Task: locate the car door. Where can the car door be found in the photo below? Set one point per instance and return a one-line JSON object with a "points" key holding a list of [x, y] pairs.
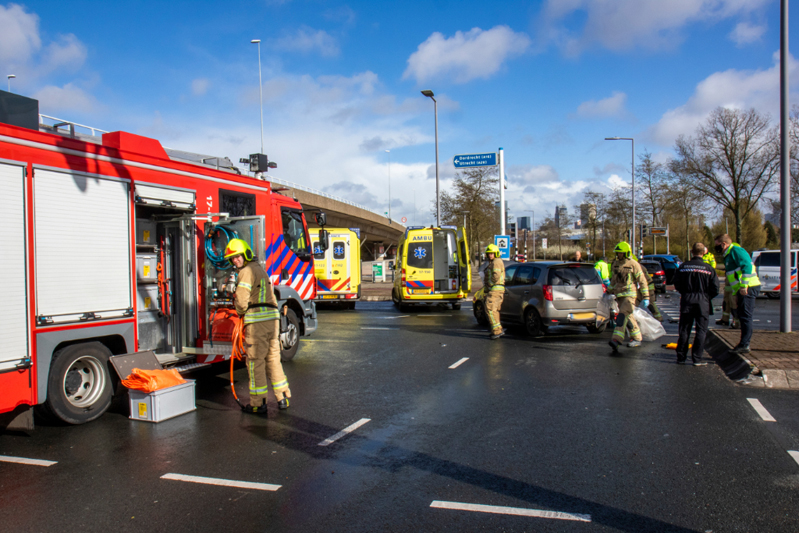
{"points": [[518, 294], [507, 308]]}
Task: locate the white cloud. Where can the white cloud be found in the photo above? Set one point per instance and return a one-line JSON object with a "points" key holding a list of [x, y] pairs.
{"points": [[307, 40], [465, 56], [66, 54], [735, 89], [577, 25], [19, 40], [56, 100], [745, 33], [616, 182], [612, 106], [200, 86]]}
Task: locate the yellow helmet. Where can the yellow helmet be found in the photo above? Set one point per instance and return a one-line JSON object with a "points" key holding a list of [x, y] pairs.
{"points": [[492, 249], [623, 248], [238, 247]]}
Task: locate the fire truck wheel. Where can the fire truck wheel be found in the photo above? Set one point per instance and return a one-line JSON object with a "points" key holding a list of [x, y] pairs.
{"points": [[79, 388], [290, 339]]}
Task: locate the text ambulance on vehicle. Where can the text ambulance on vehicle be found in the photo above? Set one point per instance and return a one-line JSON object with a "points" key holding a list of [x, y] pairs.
{"points": [[432, 267], [338, 269], [114, 245]]}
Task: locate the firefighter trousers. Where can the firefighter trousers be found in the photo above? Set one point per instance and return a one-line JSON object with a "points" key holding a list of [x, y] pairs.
{"points": [[262, 346], [493, 304], [625, 314]]}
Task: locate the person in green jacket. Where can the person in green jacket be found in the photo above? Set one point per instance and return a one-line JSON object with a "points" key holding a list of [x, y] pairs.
{"points": [[744, 284], [603, 269], [709, 258]]}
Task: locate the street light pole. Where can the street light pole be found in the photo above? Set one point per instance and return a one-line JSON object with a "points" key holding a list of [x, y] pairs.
{"points": [[428, 93], [632, 169], [389, 184], [260, 90], [9, 81]]}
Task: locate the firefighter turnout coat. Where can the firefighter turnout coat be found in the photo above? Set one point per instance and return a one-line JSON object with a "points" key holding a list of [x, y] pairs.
{"points": [[495, 292]]}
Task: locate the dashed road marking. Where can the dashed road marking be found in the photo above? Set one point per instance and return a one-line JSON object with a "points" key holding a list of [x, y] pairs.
{"points": [[764, 414], [366, 327], [459, 363], [344, 432], [26, 461], [221, 482], [517, 511], [795, 455]]}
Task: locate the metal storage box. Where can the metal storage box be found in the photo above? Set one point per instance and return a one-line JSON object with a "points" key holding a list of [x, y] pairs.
{"points": [[145, 231], [146, 268], [147, 298], [162, 404]]}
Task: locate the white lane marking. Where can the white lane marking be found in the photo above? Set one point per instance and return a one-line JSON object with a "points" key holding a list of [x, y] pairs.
{"points": [[26, 461], [517, 511], [364, 327], [344, 432], [756, 320], [764, 414], [795, 455], [392, 317], [459, 363], [221, 482]]}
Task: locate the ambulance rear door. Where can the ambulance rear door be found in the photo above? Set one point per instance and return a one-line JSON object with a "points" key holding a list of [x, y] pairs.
{"points": [[340, 263], [419, 278], [322, 266], [463, 262]]}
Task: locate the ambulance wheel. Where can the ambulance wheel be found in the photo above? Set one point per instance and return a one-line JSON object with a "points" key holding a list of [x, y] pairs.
{"points": [[79, 388], [395, 298], [456, 307], [350, 305], [532, 323], [480, 312], [290, 339]]}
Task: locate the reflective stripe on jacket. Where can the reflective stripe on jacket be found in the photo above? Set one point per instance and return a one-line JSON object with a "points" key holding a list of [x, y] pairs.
{"points": [[255, 299], [710, 259], [627, 279], [739, 268]]}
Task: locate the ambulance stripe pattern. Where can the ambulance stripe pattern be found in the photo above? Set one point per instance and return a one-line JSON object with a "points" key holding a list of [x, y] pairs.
{"points": [[419, 284], [300, 273], [326, 285]]}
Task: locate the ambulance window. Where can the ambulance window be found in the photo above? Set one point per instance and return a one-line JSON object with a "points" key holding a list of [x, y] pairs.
{"points": [[338, 250], [237, 204], [318, 253], [420, 255], [294, 232]]}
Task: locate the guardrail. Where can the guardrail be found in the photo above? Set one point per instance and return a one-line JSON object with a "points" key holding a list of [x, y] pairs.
{"points": [[60, 123]]}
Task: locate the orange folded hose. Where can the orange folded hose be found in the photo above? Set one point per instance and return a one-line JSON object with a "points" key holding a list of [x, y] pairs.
{"points": [[152, 380], [238, 352]]}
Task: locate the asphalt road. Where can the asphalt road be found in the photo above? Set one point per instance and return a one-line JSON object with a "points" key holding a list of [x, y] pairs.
{"points": [[546, 434]]}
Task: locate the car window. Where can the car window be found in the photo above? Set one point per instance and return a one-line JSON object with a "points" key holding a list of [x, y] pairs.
{"points": [[769, 259], [525, 275], [509, 272], [420, 255], [571, 275]]}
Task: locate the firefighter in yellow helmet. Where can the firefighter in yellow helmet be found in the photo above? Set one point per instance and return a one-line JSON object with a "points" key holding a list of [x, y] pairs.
{"points": [[256, 304], [626, 280], [494, 289]]}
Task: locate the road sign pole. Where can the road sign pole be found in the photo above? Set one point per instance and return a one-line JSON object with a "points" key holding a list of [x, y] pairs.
{"points": [[501, 191]]}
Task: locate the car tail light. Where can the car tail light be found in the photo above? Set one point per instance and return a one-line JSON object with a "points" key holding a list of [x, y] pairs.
{"points": [[548, 293], [660, 273], [604, 289]]}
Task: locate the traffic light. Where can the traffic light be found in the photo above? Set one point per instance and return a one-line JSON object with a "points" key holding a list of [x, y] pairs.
{"points": [[643, 231]]}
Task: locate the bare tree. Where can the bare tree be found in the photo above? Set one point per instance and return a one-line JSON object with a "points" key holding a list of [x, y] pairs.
{"points": [[652, 185], [732, 160], [687, 202], [619, 214], [596, 216], [476, 191]]}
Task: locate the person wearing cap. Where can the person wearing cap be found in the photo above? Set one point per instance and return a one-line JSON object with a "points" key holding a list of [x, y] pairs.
{"points": [[495, 289], [257, 306]]}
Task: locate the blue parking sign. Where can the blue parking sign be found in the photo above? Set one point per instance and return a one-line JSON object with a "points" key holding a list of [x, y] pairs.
{"points": [[503, 243]]}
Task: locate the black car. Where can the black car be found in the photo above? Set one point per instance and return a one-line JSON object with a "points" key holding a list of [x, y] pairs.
{"points": [[655, 269], [669, 266]]}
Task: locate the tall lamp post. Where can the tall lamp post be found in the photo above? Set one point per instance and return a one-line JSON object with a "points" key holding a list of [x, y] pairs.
{"points": [[9, 81], [532, 228], [632, 169], [429, 94], [389, 184], [260, 90]]}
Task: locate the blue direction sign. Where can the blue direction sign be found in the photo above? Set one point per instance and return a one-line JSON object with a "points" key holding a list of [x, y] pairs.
{"points": [[475, 160], [503, 243]]}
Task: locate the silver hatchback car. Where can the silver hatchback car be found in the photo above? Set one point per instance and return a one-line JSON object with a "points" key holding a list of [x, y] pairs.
{"points": [[548, 293]]}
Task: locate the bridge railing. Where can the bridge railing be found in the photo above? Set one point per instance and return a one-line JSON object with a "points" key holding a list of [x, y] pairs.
{"points": [[321, 193]]}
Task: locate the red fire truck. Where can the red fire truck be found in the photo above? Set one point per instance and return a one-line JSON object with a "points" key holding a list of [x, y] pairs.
{"points": [[114, 245]]}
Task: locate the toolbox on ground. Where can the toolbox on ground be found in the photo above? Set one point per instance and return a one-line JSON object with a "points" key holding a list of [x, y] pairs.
{"points": [[162, 404]]}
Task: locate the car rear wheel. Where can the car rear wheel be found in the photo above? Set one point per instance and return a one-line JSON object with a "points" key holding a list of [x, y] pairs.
{"points": [[532, 322], [598, 329], [773, 295]]}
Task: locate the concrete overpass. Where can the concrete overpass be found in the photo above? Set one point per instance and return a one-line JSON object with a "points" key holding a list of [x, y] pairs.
{"points": [[376, 230]]}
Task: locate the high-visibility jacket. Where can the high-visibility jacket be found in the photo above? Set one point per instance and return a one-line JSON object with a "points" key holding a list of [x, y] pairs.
{"points": [[255, 299], [495, 275], [627, 279], [710, 259], [603, 269], [739, 268]]}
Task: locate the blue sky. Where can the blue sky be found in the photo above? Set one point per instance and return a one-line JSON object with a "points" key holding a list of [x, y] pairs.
{"points": [[547, 81]]}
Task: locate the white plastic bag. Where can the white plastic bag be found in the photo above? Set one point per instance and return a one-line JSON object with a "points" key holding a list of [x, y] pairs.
{"points": [[650, 328], [604, 306]]}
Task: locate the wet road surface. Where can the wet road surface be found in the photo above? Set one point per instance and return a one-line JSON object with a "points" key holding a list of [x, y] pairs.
{"points": [[426, 425]]}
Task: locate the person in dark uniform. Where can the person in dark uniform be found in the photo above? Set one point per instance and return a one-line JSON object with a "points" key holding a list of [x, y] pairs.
{"points": [[697, 284]]}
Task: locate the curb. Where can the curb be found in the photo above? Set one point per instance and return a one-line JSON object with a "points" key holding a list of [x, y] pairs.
{"points": [[739, 369]]}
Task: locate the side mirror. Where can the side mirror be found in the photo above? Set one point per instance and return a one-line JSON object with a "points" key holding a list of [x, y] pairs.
{"points": [[323, 238], [321, 219]]}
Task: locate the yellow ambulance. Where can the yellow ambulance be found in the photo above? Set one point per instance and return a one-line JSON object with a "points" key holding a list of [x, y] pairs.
{"points": [[337, 269], [432, 267]]}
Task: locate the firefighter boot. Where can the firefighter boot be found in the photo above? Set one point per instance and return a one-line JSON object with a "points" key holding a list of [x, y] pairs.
{"points": [[614, 344], [255, 410], [633, 344]]}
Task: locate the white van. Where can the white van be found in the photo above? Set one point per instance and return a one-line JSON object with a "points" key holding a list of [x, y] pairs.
{"points": [[767, 263]]}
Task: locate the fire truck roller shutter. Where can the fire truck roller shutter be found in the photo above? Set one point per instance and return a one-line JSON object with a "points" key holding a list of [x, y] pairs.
{"points": [[82, 245], [13, 312]]}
